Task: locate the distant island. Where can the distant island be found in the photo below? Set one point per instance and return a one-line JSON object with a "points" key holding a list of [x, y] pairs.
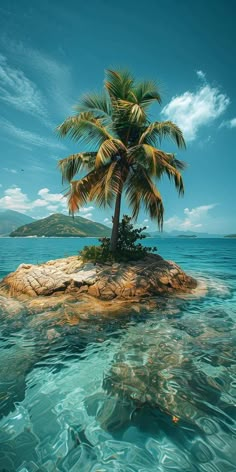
{"points": [[16, 224], [184, 234], [59, 225], [187, 236]]}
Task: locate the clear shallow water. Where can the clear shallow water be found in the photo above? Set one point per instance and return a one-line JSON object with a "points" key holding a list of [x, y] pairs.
{"points": [[103, 395]]}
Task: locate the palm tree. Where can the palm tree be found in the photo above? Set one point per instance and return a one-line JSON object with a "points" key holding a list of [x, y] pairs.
{"points": [[123, 154]]}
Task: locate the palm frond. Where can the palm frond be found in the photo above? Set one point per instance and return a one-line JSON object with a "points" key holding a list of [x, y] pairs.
{"points": [[104, 192], [146, 92], [71, 122], [119, 84], [155, 132], [145, 155], [100, 185], [176, 163], [79, 193], [109, 149], [86, 189], [157, 163], [74, 163], [130, 112], [85, 128], [98, 104], [141, 190]]}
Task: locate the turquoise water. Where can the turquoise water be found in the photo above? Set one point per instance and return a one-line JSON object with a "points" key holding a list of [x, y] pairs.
{"points": [[152, 390]]}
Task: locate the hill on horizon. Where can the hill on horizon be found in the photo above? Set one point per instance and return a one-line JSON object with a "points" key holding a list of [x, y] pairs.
{"points": [[181, 234], [10, 220], [59, 225]]}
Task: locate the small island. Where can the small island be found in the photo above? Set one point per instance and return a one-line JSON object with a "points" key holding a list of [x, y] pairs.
{"points": [[124, 160], [187, 236], [232, 236], [59, 225], [134, 272]]}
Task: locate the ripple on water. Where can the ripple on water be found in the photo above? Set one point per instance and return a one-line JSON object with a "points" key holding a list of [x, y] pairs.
{"points": [[156, 391]]}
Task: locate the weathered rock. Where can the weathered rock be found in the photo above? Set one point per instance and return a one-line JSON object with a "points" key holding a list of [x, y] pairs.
{"points": [[148, 277]]}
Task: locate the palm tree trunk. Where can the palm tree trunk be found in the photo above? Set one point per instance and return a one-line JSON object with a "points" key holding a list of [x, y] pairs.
{"points": [[116, 220]]}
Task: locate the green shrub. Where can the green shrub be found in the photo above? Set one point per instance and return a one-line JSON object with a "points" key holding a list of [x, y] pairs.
{"points": [[127, 249]]}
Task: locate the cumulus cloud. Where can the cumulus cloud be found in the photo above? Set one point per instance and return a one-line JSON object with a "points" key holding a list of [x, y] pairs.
{"points": [[193, 110], [88, 216], [107, 221], [15, 199], [192, 220], [19, 91], [229, 123], [86, 209], [49, 197]]}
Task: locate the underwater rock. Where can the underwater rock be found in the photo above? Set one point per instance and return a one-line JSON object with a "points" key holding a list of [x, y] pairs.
{"points": [[148, 372], [10, 307], [15, 362], [148, 277]]}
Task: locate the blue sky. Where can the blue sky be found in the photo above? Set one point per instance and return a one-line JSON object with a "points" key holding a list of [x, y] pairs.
{"points": [[52, 52]]}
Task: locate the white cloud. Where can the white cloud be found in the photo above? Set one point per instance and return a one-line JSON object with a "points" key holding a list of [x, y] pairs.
{"points": [[49, 197], [107, 221], [201, 74], [232, 123], [29, 137], [193, 110], [52, 208], [86, 209], [15, 199], [229, 124], [12, 171], [192, 220], [19, 91], [55, 75]]}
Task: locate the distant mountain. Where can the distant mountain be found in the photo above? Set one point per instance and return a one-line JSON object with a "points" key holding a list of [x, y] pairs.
{"points": [[230, 236], [182, 234], [11, 220], [187, 236], [59, 225]]}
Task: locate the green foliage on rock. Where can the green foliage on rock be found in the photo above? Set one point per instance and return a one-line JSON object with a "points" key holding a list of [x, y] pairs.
{"points": [[128, 249]]}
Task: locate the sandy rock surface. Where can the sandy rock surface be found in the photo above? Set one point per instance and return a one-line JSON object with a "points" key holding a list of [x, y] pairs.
{"points": [[148, 277]]}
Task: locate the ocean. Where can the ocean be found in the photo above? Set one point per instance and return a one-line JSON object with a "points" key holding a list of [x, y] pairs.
{"points": [[153, 389]]}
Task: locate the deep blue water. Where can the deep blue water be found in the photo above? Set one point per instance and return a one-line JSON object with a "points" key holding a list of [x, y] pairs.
{"points": [[148, 391]]}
